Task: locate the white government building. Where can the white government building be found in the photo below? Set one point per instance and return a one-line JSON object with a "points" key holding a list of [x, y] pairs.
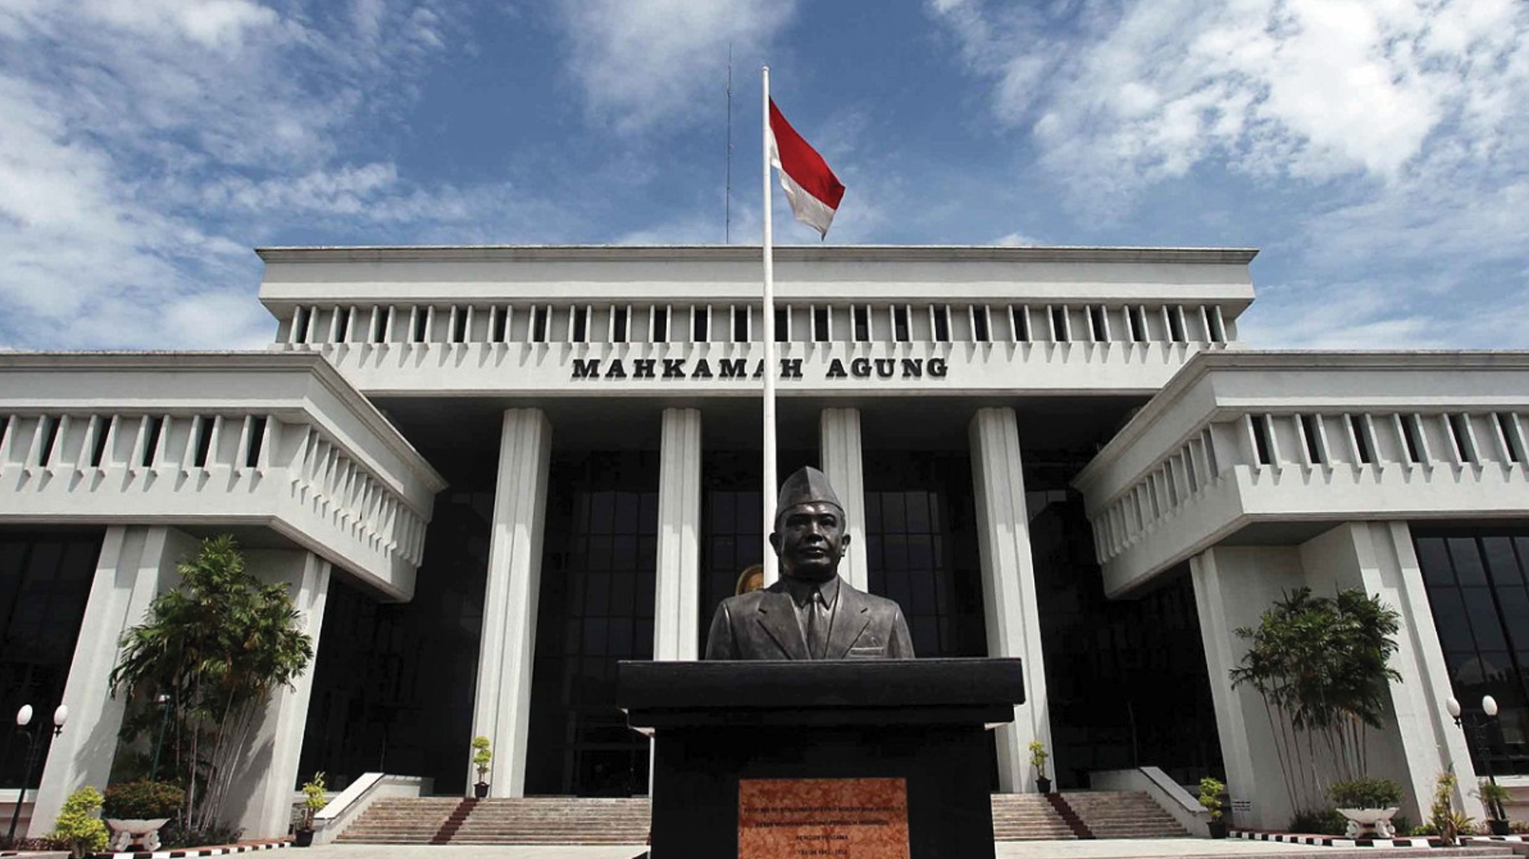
{"points": [[489, 473]]}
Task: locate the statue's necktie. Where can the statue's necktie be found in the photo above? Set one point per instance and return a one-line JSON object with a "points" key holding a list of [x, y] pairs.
{"points": [[817, 626]]}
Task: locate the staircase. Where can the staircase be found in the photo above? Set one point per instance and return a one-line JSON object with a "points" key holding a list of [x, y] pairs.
{"points": [[569, 820], [1123, 814], [400, 820], [555, 820], [1027, 817], [529, 821]]}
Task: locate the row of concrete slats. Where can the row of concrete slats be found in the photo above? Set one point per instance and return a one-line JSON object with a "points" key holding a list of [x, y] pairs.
{"points": [[1027, 817], [555, 820], [400, 820]]}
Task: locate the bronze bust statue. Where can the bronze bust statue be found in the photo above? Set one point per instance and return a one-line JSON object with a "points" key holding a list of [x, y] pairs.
{"points": [[810, 613]]}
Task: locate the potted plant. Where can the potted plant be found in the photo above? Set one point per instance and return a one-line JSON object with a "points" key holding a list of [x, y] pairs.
{"points": [[1211, 792], [1368, 804], [1494, 796], [314, 801], [481, 756], [137, 810], [1038, 756]]}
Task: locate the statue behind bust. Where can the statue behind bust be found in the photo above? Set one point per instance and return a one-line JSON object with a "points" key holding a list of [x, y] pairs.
{"points": [[810, 613]]}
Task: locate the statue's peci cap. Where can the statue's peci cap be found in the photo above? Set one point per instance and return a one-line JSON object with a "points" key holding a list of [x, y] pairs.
{"points": [[806, 486]]}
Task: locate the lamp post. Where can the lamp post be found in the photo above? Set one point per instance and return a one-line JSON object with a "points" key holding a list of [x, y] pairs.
{"points": [[164, 720], [1475, 725], [25, 728]]}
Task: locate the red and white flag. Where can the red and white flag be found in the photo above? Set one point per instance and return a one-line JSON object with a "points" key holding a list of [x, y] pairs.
{"points": [[811, 187]]}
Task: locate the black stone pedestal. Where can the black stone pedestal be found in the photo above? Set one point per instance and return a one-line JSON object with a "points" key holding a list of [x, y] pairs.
{"points": [[923, 721]]}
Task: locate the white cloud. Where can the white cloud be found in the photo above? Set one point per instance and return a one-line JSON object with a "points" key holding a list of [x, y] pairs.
{"points": [[147, 144], [642, 64], [1307, 88], [1388, 137]]}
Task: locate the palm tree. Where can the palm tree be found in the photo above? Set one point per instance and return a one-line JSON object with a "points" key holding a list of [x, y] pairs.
{"points": [[1322, 663], [218, 645]]}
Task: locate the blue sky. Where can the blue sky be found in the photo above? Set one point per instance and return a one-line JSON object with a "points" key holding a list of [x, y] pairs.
{"points": [[1377, 151]]}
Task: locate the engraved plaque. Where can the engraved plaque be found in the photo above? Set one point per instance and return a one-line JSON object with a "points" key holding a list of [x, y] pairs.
{"points": [[837, 818]]}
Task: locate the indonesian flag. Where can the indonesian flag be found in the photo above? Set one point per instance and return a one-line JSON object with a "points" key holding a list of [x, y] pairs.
{"points": [[811, 187]]}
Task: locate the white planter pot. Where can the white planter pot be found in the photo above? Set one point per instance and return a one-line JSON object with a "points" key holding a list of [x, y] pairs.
{"points": [[145, 832], [1370, 822]]}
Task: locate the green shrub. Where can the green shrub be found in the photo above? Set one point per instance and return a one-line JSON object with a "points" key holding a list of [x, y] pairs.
{"points": [[175, 835], [1326, 821], [1447, 823], [77, 829], [1365, 793], [142, 800], [1211, 791]]}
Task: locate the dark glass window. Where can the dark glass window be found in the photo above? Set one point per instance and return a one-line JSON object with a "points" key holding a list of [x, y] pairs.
{"points": [[740, 325], [660, 324], [1261, 433], [1138, 317], [45, 578], [1308, 425], [1176, 324], [941, 324], [1478, 588], [341, 323], [732, 527], [459, 325], [700, 324], [1412, 436], [1021, 321], [782, 324], [1109, 660], [596, 608], [393, 683], [862, 316], [820, 324], [539, 324], [300, 325], [1096, 322], [979, 325], [921, 547], [900, 324], [421, 325], [580, 324], [618, 324], [1357, 428], [1059, 324]]}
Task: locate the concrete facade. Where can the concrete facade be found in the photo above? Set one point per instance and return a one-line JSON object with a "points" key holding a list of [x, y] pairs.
{"points": [[1259, 471]]}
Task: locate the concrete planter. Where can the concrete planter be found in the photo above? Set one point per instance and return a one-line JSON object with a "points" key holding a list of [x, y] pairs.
{"points": [[1370, 822], [124, 833]]}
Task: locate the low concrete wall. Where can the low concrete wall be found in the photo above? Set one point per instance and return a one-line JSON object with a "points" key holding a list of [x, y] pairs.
{"points": [[353, 801]]}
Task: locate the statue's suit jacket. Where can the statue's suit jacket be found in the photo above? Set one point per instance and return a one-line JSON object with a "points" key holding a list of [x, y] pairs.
{"points": [[762, 625]]}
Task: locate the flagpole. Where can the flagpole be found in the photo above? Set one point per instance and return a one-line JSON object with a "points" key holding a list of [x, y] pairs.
{"points": [[767, 484]]}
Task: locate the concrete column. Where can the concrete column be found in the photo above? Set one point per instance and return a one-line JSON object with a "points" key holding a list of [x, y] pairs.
{"points": [[1233, 587], [1379, 558], [502, 706], [136, 563], [677, 608], [268, 777], [839, 448], [1008, 585]]}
